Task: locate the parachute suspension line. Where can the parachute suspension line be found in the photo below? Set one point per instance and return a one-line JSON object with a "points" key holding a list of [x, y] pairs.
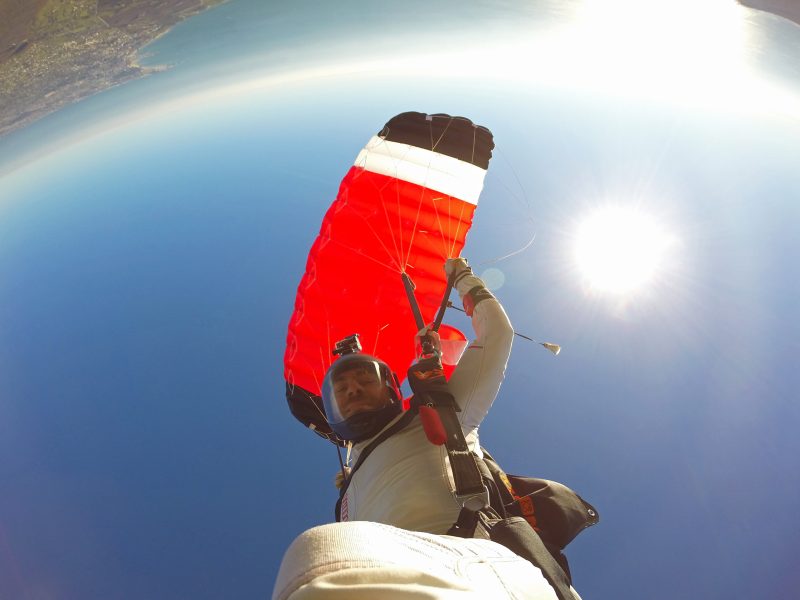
{"points": [[525, 198], [377, 337], [319, 410], [492, 261], [314, 404], [449, 252], [380, 240], [449, 226], [391, 267], [325, 366], [430, 128], [445, 250], [458, 228], [397, 258], [403, 261], [527, 203], [422, 191], [414, 229], [398, 250], [341, 462], [325, 362], [433, 202], [424, 187]]}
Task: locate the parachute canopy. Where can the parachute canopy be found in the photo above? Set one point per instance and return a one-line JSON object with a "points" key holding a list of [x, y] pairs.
{"points": [[405, 206]]}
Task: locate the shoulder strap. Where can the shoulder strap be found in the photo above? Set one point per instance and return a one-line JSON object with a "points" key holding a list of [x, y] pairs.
{"points": [[430, 387], [398, 425]]}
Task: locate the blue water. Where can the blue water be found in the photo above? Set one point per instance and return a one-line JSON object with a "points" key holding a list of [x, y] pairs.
{"points": [[250, 33]]}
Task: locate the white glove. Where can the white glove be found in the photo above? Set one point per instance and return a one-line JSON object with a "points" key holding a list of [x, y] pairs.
{"points": [[464, 279], [455, 265]]}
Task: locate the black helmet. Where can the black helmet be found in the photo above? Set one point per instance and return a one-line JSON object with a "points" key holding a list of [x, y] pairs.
{"points": [[360, 395]]}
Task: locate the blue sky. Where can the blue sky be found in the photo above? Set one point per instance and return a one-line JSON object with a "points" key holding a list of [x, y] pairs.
{"points": [[152, 238]]}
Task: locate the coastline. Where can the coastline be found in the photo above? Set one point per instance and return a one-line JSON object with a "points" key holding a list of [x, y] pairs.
{"points": [[63, 56]]}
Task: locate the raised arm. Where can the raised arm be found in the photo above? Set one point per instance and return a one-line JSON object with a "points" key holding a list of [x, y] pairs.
{"points": [[477, 378]]}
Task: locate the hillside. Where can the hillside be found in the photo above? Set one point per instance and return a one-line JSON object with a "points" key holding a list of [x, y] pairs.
{"points": [[56, 52]]}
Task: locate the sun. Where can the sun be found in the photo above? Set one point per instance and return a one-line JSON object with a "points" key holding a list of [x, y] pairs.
{"points": [[619, 250]]}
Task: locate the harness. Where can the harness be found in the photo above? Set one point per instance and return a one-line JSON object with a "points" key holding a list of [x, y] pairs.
{"points": [[534, 518]]}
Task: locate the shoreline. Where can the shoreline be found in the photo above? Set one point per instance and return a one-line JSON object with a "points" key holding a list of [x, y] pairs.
{"points": [[61, 60]]}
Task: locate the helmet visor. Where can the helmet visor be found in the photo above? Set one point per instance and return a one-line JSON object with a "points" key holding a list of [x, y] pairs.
{"points": [[355, 386]]}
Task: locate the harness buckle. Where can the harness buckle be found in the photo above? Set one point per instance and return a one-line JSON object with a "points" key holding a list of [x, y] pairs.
{"points": [[474, 502]]}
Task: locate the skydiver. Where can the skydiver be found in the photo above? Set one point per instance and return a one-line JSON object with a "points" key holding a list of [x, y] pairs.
{"points": [[400, 504]]}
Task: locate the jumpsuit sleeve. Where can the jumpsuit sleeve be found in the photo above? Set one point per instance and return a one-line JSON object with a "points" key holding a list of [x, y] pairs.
{"points": [[478, 375]]}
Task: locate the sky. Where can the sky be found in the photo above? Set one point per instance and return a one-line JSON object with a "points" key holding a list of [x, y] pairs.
{"points": [[152, 239]]}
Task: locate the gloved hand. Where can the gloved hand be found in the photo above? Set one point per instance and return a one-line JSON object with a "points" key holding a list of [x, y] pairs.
{"points": [[464, 279], [430, 334], [456, 265]]}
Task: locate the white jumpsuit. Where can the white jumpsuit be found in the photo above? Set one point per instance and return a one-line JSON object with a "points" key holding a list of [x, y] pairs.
{"points": [[399, 503]]}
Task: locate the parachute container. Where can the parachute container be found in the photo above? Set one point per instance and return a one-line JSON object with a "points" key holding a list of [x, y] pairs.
{"points": [[405, 206]]}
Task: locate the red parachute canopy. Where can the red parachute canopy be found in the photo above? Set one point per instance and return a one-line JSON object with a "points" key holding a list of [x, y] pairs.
{"points": [[405, 206]]}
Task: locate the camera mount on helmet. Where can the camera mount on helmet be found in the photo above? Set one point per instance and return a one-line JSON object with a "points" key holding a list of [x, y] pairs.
{"points": [[348, 345]]}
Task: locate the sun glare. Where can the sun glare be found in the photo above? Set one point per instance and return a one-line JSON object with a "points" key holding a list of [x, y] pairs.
{"points": [[683, 52], [619, 250], [686, 41]]}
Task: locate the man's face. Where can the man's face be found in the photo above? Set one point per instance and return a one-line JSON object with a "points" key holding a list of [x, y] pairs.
{"points": [[360, 389]]}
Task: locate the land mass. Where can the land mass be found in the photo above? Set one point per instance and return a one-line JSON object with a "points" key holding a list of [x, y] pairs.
{"points": [[56, 52]]}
